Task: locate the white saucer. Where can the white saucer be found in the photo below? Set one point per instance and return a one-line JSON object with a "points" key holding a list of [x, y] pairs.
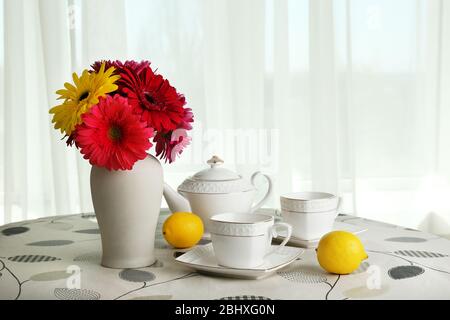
{"points": [[202, 259], [313, 243]]}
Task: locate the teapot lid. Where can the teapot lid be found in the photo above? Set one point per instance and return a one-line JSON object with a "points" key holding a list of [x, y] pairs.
{"points": [[215, 180], [215, 172]]}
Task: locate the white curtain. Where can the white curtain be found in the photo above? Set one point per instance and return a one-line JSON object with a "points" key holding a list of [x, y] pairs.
{"points": [[345, 96]]}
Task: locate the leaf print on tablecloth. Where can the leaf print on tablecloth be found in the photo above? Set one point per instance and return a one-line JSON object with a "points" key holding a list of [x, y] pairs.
{"points": [[76, 294], [50, 276], [419, 254], [404, 272], [50, 243], [14, 230], [31, 258], [244, 297], [303, 275], [88, 231], [406, 239], [134, 275]]}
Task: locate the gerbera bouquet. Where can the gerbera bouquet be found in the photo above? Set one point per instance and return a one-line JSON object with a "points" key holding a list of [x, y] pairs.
{"points": [[114, 112]]}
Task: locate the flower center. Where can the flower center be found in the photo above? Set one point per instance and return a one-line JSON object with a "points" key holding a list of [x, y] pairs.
{"points": [[114, 133], [84, 95], [149, 97]]}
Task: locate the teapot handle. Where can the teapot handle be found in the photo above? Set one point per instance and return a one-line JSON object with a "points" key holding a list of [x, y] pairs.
{"points": [[268, 193]]}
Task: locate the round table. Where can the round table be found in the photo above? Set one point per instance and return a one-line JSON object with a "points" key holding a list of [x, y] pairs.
{"points": [[59, 258]]}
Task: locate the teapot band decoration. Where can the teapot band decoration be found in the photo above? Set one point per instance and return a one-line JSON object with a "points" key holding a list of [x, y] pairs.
{"points": [[192, 186]]}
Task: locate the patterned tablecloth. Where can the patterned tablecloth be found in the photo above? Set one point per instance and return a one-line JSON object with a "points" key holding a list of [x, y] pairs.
{"points": [[59, 258]]}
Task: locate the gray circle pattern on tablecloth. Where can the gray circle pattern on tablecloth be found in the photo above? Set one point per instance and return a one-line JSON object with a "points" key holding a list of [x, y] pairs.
{"points": [[76, 294], [303, 276], [14, 230], [32, 258], [50, 276], [50, 243], [134, 275], [420, 254], [404, 272]]}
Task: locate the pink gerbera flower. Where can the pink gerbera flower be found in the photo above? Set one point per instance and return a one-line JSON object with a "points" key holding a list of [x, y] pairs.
{"points": [[112, 136], [170, 145]]}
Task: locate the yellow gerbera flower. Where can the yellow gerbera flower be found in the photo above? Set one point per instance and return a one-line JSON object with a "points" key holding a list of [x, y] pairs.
{"points": [[81, 96]]}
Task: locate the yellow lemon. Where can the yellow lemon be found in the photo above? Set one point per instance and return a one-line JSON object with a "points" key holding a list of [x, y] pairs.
{"points": [[340, 252], [183, 229]]}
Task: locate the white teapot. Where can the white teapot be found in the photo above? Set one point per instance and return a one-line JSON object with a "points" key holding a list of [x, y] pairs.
{"points": [[215, 190]]}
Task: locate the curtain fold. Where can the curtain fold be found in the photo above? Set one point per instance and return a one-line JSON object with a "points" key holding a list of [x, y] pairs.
{"points": [[57, 64], [334, 95]]}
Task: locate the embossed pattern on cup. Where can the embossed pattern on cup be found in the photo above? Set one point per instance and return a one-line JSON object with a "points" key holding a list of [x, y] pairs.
{"points": [[309, 202]]}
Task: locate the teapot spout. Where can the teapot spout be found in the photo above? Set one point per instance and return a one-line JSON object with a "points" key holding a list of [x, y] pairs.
{"points": [[175, 201]]}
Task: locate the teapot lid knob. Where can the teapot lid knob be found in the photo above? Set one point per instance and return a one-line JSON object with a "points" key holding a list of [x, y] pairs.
{"points": [[214, 161]]}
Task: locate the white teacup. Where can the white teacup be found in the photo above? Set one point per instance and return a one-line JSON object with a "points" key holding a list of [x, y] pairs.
{"points": [[311, 214], [309, 201], [243, 240]]}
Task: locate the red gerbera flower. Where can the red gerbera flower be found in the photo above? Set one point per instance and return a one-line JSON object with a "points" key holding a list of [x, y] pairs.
{"points": [[155, 100], [170, 145], [112, 136]]}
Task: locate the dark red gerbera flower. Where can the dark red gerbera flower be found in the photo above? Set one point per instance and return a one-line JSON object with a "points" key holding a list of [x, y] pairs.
{"points": [[119, 65], [71, 139], [155, 100]]}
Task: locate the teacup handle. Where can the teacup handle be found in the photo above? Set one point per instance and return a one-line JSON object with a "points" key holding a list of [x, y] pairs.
{"points": [[268, 193], [274, 234]]}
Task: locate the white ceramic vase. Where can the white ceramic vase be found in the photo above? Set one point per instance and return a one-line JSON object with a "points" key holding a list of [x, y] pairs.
{"points": [[127, 205]]}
